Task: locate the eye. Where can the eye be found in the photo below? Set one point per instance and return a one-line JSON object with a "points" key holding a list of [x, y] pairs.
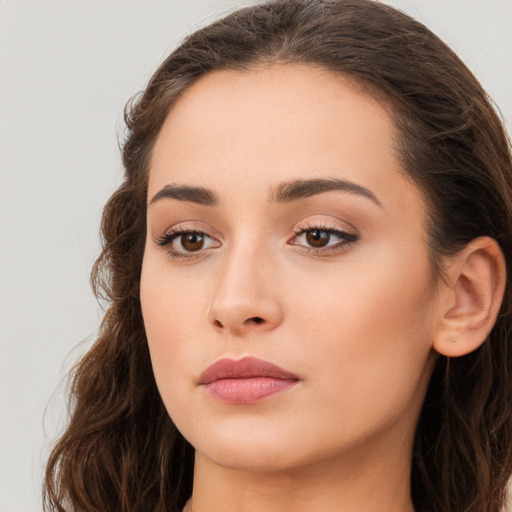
{"points": [[322, 239], [318, 237], [182, 243]]}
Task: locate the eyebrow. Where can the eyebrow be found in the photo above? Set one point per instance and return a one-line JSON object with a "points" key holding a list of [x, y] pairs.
{"points": [[298, 189], [198, 195], [283, 193]]}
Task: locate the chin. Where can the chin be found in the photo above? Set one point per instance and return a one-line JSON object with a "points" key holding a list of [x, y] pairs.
{"points": [[254, 450], [250, 457]]}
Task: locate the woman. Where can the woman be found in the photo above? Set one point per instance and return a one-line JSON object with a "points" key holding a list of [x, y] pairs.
{"points": [[306, 269]]}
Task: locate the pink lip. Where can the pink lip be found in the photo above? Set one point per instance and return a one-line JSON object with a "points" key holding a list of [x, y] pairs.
{"points": [[245, 381]]}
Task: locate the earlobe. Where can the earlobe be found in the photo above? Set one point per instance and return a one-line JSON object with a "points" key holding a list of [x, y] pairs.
{"points": [[470, 300]]}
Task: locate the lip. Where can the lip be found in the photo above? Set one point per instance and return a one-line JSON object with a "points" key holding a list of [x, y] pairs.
{"points": [[245, 381]]}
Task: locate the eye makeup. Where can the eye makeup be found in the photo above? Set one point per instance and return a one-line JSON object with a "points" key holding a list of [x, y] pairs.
{"points": [[314, 237], [193, 242], [321, 238]]}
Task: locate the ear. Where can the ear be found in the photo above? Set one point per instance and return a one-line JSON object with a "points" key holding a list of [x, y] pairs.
{"points": [[470, 299]]}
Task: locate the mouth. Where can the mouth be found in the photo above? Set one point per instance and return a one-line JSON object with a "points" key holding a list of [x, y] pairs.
{"points": [[245, 381]]}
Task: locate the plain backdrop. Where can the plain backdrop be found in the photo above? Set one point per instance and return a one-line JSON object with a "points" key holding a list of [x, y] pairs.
{"points": [[66, 70]]}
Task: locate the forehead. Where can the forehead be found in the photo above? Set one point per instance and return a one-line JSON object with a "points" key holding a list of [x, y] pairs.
{"points": [[235, 130]]}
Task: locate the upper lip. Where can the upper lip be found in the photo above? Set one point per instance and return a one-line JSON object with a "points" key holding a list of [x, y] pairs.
{"points": [[245, 368]]}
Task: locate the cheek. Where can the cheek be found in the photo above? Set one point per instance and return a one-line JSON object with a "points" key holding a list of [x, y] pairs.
{"points": [[363, 301], [369, 329], [170, 311]]}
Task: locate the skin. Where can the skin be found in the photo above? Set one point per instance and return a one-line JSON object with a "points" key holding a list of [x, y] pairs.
{"points": [[356, 324]]}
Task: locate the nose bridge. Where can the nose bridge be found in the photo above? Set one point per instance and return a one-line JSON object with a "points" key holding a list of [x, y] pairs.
{"points": [[245, 296]]}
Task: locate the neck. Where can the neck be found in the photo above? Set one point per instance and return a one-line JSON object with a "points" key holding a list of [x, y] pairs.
{"points": [[372, 481]]}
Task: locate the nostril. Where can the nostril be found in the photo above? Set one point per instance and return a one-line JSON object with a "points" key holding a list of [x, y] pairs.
{"points": [[255, 320]]}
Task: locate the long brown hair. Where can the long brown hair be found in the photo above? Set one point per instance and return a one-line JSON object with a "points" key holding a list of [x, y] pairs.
{"points": [[120, 450]]}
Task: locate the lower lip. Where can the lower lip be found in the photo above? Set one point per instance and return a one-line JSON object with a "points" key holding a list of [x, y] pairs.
{"points": [[247, 391]]}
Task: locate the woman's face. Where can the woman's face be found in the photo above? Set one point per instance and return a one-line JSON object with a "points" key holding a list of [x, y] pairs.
{"points": [[282, 228]]}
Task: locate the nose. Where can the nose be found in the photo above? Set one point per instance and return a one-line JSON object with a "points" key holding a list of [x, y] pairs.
{"points": [[245, 298]]}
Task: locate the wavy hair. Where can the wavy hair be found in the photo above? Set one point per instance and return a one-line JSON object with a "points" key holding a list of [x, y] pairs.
{"points": [[120, 450]]}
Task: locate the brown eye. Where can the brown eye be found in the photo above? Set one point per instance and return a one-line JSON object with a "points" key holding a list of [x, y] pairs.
{"points": [[323, 241], [318, 237], [192, 241], [182, 243]]}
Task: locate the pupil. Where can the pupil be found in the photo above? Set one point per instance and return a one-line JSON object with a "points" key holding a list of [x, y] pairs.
{"points": [[192, 241], [318, 237]]}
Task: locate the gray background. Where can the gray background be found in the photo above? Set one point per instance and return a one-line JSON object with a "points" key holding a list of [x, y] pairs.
{"points": [[66, 70]]}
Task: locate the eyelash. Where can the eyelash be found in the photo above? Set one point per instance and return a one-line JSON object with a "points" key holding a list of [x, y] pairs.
{"points": [[165, 240], [348, 239]]}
